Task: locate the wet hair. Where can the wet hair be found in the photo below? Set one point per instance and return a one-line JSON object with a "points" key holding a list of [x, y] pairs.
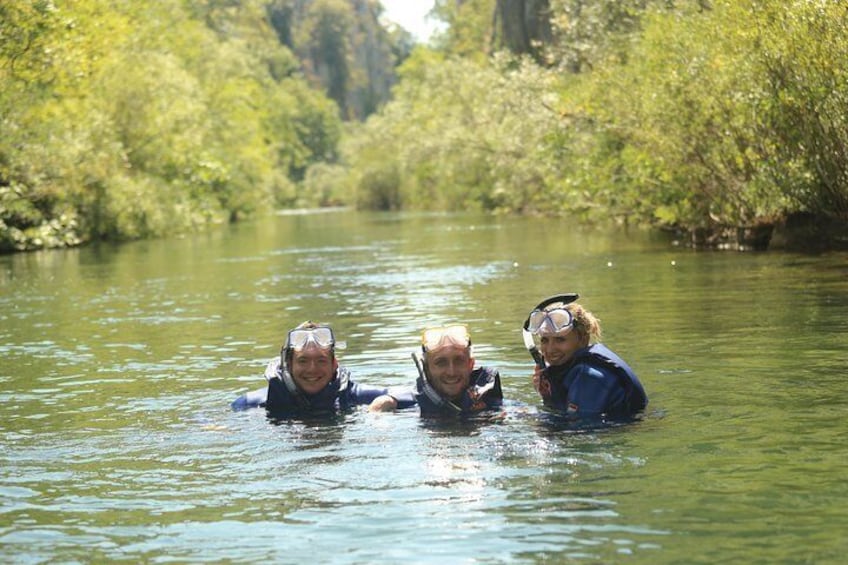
{"points": [[587, 326]]}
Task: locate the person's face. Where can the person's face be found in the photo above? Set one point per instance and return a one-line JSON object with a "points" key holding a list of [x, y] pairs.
{"points": [[558, 349], [312, 368], [449, 368]]}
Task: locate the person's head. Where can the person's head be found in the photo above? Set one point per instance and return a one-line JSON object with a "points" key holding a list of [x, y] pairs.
{"points": [[562, 329], [448, 359], [309, 354]]}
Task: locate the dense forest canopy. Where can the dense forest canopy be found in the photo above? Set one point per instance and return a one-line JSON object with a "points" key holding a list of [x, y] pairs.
{"points": [[133, 119], [718, 118]]}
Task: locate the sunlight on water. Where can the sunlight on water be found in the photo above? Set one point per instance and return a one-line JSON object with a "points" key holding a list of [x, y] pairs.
{"points": [[119, 364]]}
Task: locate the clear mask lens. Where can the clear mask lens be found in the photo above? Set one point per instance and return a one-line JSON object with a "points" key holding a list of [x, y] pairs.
{"points": [[321, 336], [550, 322], [439, 337]]}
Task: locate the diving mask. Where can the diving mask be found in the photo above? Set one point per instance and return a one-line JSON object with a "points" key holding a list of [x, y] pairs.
{"points": [[299, 338], [554, 321], [435, 338]]}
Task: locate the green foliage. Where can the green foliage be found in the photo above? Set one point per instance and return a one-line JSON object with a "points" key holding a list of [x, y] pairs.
{"points": [[342, 49], [714, 126], [702, 115], [24, 29], [459, 135], [587, 33], [469, 27], [803, 57], [125, 120], [325, 31]]}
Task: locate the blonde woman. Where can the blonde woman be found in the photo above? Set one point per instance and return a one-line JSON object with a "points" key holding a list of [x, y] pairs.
{"points": [[581, 377]]}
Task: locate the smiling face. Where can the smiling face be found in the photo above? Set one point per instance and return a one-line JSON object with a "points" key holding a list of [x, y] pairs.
{"points": [[558, 349], [312, 368], [449, 368]]}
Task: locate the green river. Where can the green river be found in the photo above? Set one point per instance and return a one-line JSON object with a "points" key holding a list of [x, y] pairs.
{"points": [[118, 365]]}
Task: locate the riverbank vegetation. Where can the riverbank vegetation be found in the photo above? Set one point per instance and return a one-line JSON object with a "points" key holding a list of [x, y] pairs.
{"points": [[723, 120], [127, 120]]}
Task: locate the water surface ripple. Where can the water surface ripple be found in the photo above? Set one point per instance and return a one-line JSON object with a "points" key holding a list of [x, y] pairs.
{"points": [[119, 363]]}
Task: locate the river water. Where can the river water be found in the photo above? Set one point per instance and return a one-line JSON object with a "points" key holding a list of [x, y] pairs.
{"points": [[118, 364]]}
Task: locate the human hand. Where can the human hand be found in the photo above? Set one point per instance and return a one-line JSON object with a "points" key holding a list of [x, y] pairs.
{"points": [[537, 376], [383, 403]]}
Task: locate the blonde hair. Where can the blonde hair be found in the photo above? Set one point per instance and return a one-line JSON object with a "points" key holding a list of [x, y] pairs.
{"points": [[587, 326]]}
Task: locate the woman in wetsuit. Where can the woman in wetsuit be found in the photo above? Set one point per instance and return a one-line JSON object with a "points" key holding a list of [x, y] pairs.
{"points": [[582, 378]]}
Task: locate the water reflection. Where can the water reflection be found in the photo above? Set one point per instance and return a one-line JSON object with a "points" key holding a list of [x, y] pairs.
{"points": [[119, 364]]}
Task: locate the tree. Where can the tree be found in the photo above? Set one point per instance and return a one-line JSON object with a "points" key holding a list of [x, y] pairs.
{"points": [[124, 120], [523, 27]]}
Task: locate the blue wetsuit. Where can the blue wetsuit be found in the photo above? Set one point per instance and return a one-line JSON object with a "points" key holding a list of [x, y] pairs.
{"points": [[282, 398], [484, 393], [593, 383]]}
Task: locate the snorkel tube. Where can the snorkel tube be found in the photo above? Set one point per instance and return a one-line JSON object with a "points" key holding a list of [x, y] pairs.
{"points": [[432, 394], [525, 331]]}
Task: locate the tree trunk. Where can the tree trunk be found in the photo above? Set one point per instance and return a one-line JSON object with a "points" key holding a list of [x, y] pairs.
{"points": [[523, 26]]}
